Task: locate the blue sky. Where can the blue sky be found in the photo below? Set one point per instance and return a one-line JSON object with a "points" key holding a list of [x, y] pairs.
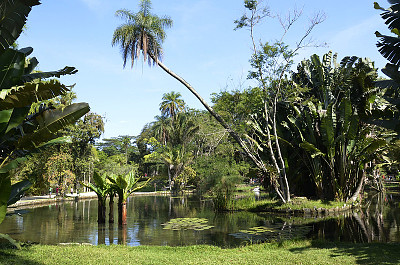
{"points": [[202, 47]]}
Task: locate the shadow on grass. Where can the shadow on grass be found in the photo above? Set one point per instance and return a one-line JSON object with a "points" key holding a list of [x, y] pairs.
{"points": [[367, 253], [10, 256]]}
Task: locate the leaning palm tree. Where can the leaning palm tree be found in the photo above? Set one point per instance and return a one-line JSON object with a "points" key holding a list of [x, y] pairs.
{"points": [[143, 33], [172, 104]]}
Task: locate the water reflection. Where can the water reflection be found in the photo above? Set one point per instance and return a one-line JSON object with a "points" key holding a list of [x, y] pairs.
{"points": [[378, 221], [77, 222]]}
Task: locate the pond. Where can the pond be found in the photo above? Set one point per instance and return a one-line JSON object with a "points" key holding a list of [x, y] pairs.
{"points": [[178, 221]]}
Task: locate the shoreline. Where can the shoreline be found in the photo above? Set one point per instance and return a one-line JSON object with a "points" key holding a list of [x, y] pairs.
{"points": [[38, 201]]}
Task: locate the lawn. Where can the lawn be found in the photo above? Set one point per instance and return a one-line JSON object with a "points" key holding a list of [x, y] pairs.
{"points": [[291, 252]]}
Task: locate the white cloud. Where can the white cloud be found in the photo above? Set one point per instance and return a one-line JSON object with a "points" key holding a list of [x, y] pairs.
{"points": [[98, 6], [353, 35], [93, 4]]}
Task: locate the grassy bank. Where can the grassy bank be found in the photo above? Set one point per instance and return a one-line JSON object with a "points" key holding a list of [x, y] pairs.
{"points": [[300, 252], [250, 204]]}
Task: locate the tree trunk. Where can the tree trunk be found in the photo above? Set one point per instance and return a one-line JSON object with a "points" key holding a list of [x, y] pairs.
{"points": [[119, 210], [111, 209], [123, 212], [169, 178], [101, 211], [234, 135], [360, 186]]}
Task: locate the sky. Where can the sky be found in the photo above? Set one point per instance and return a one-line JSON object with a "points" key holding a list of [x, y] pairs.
{"points": [[202, 47]]}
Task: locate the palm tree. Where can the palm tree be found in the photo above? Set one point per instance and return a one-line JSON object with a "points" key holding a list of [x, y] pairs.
{"points": [[172, 104], [143, 33], [160, 128]]}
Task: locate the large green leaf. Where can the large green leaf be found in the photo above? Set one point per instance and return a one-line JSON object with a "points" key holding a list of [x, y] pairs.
{"points": [[328, 128], [11, 240], [389, 47], [25, 95], [5, 117], [99, 180], [13, 15], [12, 65], [10, 166], [345, 113], [68, 70], [5, 189], [50, 122], [314, 152], [353, 128], [100, 186], [17, 191], [17, 117]]}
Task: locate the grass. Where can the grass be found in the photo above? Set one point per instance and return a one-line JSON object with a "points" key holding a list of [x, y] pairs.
{"points": [[289, 252], [250, 204], [245, 200]]}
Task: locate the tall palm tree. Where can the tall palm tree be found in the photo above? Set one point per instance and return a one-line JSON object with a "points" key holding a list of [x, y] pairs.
{"points": [[160, 127], [172, 104], [143, 32]]}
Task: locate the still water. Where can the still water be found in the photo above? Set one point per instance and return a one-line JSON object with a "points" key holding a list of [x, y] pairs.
{"points": [[76, 222]]}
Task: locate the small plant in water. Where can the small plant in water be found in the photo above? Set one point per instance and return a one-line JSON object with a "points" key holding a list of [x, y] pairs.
{"points": [[197, 224], [272, 233]]}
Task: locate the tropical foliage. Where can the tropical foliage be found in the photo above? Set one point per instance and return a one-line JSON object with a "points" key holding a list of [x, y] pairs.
{"points": [[102, 188], [143, 33], [332, 123], [20, 87], [125, 185]]}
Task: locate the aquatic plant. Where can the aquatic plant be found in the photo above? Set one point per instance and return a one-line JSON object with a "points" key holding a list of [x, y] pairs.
{"points": [[197, 224], [276, 232]]}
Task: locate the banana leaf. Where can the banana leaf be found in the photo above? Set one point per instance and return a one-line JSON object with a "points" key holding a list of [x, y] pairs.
{"points": [[314, 152], [12, 118], [5, 189], [18, 190], [25, 95], [13, 15], [50, 122], [11, 240], [68, 70]]}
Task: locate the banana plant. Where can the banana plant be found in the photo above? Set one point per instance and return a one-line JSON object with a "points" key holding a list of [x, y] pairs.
{"points": [[124, 185], [101, 187], [388, 46], [20, 87], [332, 126]]}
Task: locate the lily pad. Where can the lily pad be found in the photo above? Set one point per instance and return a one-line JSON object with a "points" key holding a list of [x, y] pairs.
{"points": [[275, 232], [197, 224]]}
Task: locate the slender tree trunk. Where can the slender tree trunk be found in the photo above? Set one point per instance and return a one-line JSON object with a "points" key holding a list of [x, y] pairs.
{"points": [[119, 210], [124, 219], [111, 209], [359, 188], [169, 178], [234, 135], [101, 211]]}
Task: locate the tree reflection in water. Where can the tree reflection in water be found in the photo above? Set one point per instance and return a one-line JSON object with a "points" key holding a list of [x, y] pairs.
{"points": [[377, 221], [77, 222]]}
